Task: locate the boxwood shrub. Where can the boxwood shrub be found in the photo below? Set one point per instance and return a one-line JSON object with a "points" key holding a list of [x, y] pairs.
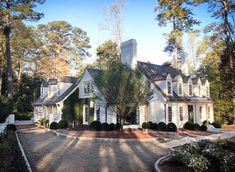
{"points": [[196, 127], [11, 127], [112, 126], [171, 127], [203, 127], [118, 126], [149, 125], [154, 126], [63, 123], [105, 126], [161, 126], [216, 124], [188, 126], [144, 125], [54, 126], [95, 125]]}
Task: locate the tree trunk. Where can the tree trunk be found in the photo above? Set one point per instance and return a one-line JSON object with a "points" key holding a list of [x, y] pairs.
{"points": [[234, 110], [20, 70], [0, 83]]}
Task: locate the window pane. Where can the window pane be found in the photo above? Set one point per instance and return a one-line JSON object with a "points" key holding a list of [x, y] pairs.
{"points": [[169, 87], [169, 114], [181, 114]]}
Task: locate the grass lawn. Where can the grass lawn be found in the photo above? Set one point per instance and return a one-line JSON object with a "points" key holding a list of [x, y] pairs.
{"points": [[11, 159]]}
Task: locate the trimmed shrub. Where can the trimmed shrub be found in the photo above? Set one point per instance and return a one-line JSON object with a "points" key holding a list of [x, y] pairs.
{"points": [[118, 126], [171, 127], [188, 126], [144, 125], [154, 126], [216, 124], [63, 123], [161, 126], [112, 126], [54, 126], [105, 126], [203, 127], [206, 122], [196, 127], [149, 125], [11, 127], [3, 117], [95, 125], [23, 116]]}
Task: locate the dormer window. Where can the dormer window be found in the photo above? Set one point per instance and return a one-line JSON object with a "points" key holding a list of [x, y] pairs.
{"points": [[180, 88], [190, 89], [169, 87], [87, 88]]}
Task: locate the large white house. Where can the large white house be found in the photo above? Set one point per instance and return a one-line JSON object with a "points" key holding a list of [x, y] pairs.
{"points": [[176, 97]]}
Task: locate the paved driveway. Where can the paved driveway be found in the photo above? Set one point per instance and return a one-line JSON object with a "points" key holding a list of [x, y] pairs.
{"points": [[47, 152]]}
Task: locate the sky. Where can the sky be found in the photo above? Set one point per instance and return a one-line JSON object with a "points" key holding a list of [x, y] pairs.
{"points": [[139, 23]]}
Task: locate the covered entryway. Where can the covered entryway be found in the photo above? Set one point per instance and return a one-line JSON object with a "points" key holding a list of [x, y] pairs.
{"points": [[190, 113]]}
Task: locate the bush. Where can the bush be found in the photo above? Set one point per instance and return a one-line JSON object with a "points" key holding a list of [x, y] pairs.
{"points": [[188, 126], [95, 125], [118, 126], [216, 124], [203, 127], [171, 127], [154, 126], [105, 126], [63, 123], [149, 125], [144, 125], [196, 127], [112, 126], [41, 121], [206, 122], [3, 117], [23, 116], [11, 127], [54, 125], [161, 126]]}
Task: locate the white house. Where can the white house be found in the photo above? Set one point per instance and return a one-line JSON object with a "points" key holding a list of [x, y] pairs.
{"points": [[176, 97]]}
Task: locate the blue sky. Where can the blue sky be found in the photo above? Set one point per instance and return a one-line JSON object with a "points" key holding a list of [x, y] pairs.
{"points": [[139, 23]]}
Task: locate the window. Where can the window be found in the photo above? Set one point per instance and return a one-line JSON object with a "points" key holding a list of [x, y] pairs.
{"points": [[200, 112], [98, 114], [169, 114], [207, 91], [180, 88], [87, 87], [209, 111], [137, 115], [190, 89], [181, 114], [86, 113], [168, 87]]}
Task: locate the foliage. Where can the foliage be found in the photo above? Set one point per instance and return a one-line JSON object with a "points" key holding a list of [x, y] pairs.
{"points": [[11, 158], [149, 125], [171, 127], [205, 122], [188, 125], [112, 126], [105, 126], [63, 123], [119, 87], [216, 124], [154, 126], [11, 127], [144, 125], [118, 126], [26, 116], [107, 53], [95, 125], [196, 127], [203, 127], [54, 125], [162, 126]]}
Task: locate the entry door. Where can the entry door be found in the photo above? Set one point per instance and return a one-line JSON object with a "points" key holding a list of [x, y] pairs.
{"points": [[190, 113]]}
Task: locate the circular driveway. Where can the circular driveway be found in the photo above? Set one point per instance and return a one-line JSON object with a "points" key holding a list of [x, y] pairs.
{"points": [[47, 152]]}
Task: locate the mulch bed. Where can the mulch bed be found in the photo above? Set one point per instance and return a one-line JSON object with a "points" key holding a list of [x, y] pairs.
{"points": [[228, 127], [126, 134]]}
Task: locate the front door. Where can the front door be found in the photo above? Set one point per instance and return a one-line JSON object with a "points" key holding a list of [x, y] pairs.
{"points": [[190, 113]]}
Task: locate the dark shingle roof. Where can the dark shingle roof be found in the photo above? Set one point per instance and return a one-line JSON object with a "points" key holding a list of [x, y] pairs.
{"points": [[94, 72], [160, 72], [55, 98]]}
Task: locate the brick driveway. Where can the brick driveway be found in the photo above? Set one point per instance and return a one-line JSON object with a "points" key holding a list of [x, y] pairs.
{"points": [[47, 152]]}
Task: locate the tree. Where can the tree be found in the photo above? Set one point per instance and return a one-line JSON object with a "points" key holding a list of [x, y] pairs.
{"points": [[107, 53], [114, 20], [2, 61], [62, 42], [177, 13], [121, 89], [10, 12]]}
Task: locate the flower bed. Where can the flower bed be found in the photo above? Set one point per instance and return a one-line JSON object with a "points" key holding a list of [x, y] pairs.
{"points": [[11, 158], [202, 156]]}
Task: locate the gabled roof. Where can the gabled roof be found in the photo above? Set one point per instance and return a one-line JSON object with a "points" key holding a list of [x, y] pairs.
{"points": [[94, 72], [55, 98], [160, 72]]}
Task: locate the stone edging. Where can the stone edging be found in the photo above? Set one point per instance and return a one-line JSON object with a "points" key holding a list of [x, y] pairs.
{"points": [[96, 138], [23, 153], [157, 169]]}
